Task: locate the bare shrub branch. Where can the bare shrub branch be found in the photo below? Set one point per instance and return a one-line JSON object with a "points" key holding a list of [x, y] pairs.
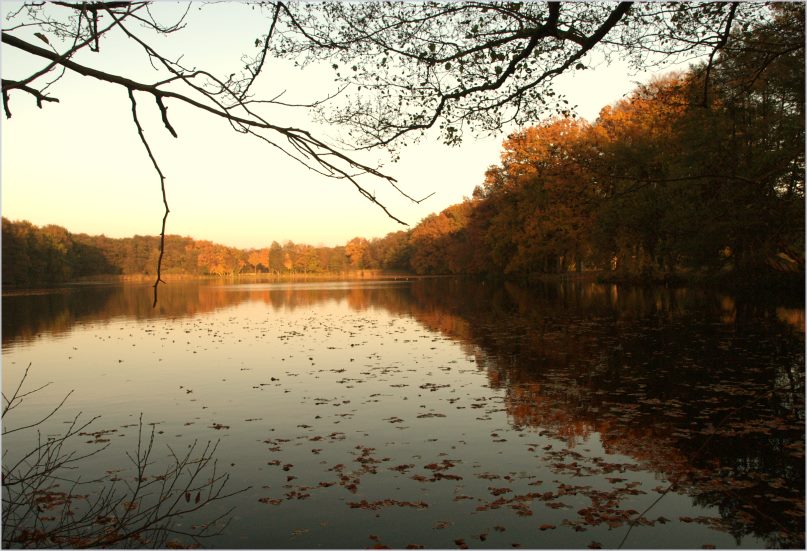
{"points": [[45, 504]]}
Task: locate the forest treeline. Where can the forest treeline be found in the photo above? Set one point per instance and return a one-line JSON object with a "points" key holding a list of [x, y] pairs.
{"points": [[35, 255], [701, 171], [696, 172]]}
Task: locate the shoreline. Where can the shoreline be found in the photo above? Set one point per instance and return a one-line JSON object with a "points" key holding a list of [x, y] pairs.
{"points": [[783, 281]]}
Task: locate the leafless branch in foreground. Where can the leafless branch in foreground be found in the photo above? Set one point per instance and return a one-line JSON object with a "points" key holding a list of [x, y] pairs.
{"points": [[46, 505]]}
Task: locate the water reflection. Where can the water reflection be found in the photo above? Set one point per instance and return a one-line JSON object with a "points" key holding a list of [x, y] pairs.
{"points": [[704, 388], [56, 311]]}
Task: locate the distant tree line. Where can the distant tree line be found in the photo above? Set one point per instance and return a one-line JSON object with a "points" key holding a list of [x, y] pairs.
{"points": [[50, 254]]}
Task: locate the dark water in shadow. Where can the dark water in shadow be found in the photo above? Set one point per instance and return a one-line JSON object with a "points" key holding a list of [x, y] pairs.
{"points": [[447, 413]]}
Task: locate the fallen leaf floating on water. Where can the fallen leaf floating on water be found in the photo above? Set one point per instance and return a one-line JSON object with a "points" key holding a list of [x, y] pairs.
{"points": [[442, 524], [375, 505]]}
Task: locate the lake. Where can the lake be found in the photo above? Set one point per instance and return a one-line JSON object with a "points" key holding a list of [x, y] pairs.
{"points": [[437, 413]]}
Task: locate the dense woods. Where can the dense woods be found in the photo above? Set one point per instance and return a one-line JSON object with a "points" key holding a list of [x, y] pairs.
{"points": [[683, 175], [694, 172], [51, 254]]}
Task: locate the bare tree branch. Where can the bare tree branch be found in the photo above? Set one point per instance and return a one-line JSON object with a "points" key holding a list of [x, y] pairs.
{"points": [[314, 148], [140, 133], [97, 512], [719, 46], [13, 85]]}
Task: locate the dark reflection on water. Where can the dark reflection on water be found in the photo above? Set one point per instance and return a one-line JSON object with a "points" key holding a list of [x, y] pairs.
{"points": [[702, 387], [705, 388], [55, 311]]}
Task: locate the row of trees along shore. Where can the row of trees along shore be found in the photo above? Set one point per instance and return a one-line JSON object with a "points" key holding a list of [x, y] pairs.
{"points": [[687, 174], [51, 254], [684, 175]]}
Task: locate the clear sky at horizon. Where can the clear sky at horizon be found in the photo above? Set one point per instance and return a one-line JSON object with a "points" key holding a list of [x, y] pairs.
{"points": [[80, 164]]}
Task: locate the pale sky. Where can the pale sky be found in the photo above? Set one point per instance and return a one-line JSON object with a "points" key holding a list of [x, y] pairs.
{"points": [[80, 164]]}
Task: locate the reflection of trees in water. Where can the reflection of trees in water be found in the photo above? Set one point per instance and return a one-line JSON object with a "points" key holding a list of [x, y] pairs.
{"points": [[56, 311], [705, 388], [27, 315]]}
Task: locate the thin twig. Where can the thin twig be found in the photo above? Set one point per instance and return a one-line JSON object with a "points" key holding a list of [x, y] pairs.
{"points": [[162, 184]]}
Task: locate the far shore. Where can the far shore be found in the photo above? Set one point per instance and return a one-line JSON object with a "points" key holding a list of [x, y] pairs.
{"points": [[773, 279], [354, 275]]}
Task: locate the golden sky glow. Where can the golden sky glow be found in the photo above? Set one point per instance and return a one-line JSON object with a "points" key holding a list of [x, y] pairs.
{"points": [[80, 164]]}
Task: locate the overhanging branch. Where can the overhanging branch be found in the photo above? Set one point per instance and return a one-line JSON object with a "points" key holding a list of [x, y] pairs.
{"points": [[315, 149], [142, 135], [9, 85]]}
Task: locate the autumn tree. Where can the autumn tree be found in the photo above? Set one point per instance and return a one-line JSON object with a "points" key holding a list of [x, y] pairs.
{"points": [[643, 149], [275, 257], [18, 247], [337, 259], [715, 184], [306, 259], [759, 99], [289, 254], [357, 250], [547, 168], [259, 258], [394, 250], [218, 259], [436, 244]]}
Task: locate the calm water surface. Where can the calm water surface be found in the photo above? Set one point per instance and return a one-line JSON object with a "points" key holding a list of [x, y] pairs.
{"points": [[440, 413]]}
